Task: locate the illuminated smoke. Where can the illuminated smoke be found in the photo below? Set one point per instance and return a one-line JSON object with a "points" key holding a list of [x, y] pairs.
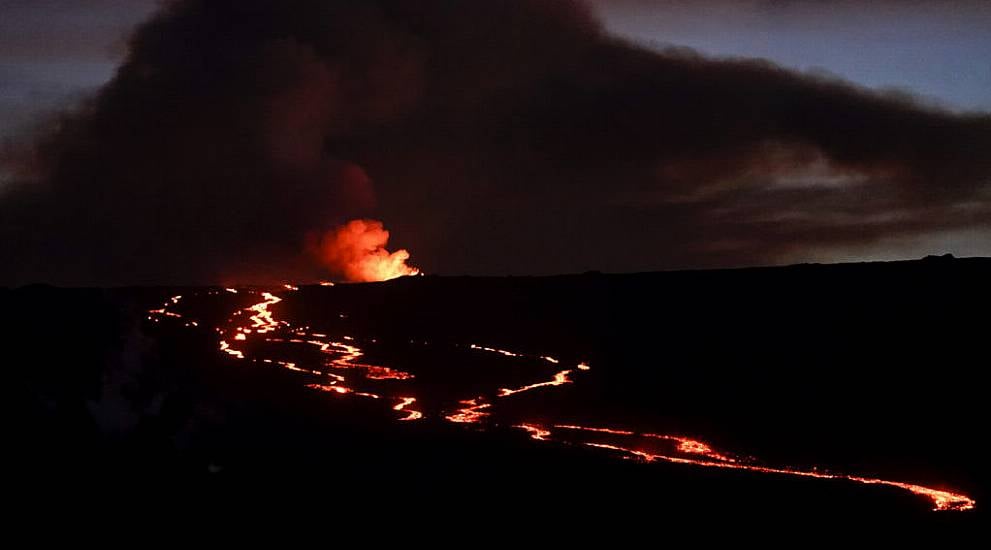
{"points": [[356, 251]]}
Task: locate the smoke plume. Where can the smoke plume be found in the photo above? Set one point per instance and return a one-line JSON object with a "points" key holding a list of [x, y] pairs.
{"points": [[493, 137], [356, 251]]}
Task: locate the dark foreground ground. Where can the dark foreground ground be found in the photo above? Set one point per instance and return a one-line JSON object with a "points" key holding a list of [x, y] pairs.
{"points": [[874, 369]]}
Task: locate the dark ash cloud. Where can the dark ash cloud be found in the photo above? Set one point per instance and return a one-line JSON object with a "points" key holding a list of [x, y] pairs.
{"points": [[502, 137]]}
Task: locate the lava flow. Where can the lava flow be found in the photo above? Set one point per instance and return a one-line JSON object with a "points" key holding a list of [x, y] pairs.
{"points": [[681, 450], [472, 411], [560, 378], [410, 413], [336, 366]]}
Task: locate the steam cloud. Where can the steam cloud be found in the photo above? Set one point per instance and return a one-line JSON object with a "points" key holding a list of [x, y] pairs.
{"points": [[502, 137], [357, 252]]}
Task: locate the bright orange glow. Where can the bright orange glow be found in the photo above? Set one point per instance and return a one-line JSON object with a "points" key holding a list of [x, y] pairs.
{"points": [[385, 373], [165, 313], [470, 412], [329, 388], [536, 432], [494, 350], [552, 360], [690, 446], [404, 404], [226, 348], [588, 429], [357, 251], [559, 379], [346, 357], [262, 320], [630, 445], [154, 314]]}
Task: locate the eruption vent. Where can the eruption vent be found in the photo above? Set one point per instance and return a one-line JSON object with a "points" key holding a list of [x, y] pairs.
{"points": [[356, 250]]}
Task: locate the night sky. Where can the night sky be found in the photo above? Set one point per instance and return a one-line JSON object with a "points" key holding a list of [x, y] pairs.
{"points": [[514, 137]]}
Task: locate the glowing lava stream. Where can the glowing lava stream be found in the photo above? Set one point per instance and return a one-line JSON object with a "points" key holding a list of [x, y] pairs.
{"points": [[262, 320], [471, 412], [343, 355], [477, 411], [698, 453], [560, 378], [410, 413]]}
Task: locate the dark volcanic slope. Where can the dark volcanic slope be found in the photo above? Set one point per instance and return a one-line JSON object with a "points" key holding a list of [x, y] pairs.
{"points": [[848, 364], [869, 368]]}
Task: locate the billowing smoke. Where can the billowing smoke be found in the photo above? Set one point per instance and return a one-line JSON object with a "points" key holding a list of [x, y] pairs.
{"points": [[356, 251], [495, 137]]}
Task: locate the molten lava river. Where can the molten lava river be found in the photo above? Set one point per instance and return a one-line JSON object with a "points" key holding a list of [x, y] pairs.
{"points": [[336, 364]]}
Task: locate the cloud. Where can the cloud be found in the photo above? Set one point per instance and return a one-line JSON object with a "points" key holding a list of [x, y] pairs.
{"points": [[504, 137]]}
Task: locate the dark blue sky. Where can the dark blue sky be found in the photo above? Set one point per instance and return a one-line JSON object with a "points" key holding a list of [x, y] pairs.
{"points": [[52, 51], [55, 50], [940, 50]]}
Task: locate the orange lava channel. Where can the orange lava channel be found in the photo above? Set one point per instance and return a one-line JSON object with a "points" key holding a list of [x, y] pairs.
{"points": [[560, 378], [495, 350], [472, 411], [262, 320], [629, 444], [410, 413], [701, 454]]}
